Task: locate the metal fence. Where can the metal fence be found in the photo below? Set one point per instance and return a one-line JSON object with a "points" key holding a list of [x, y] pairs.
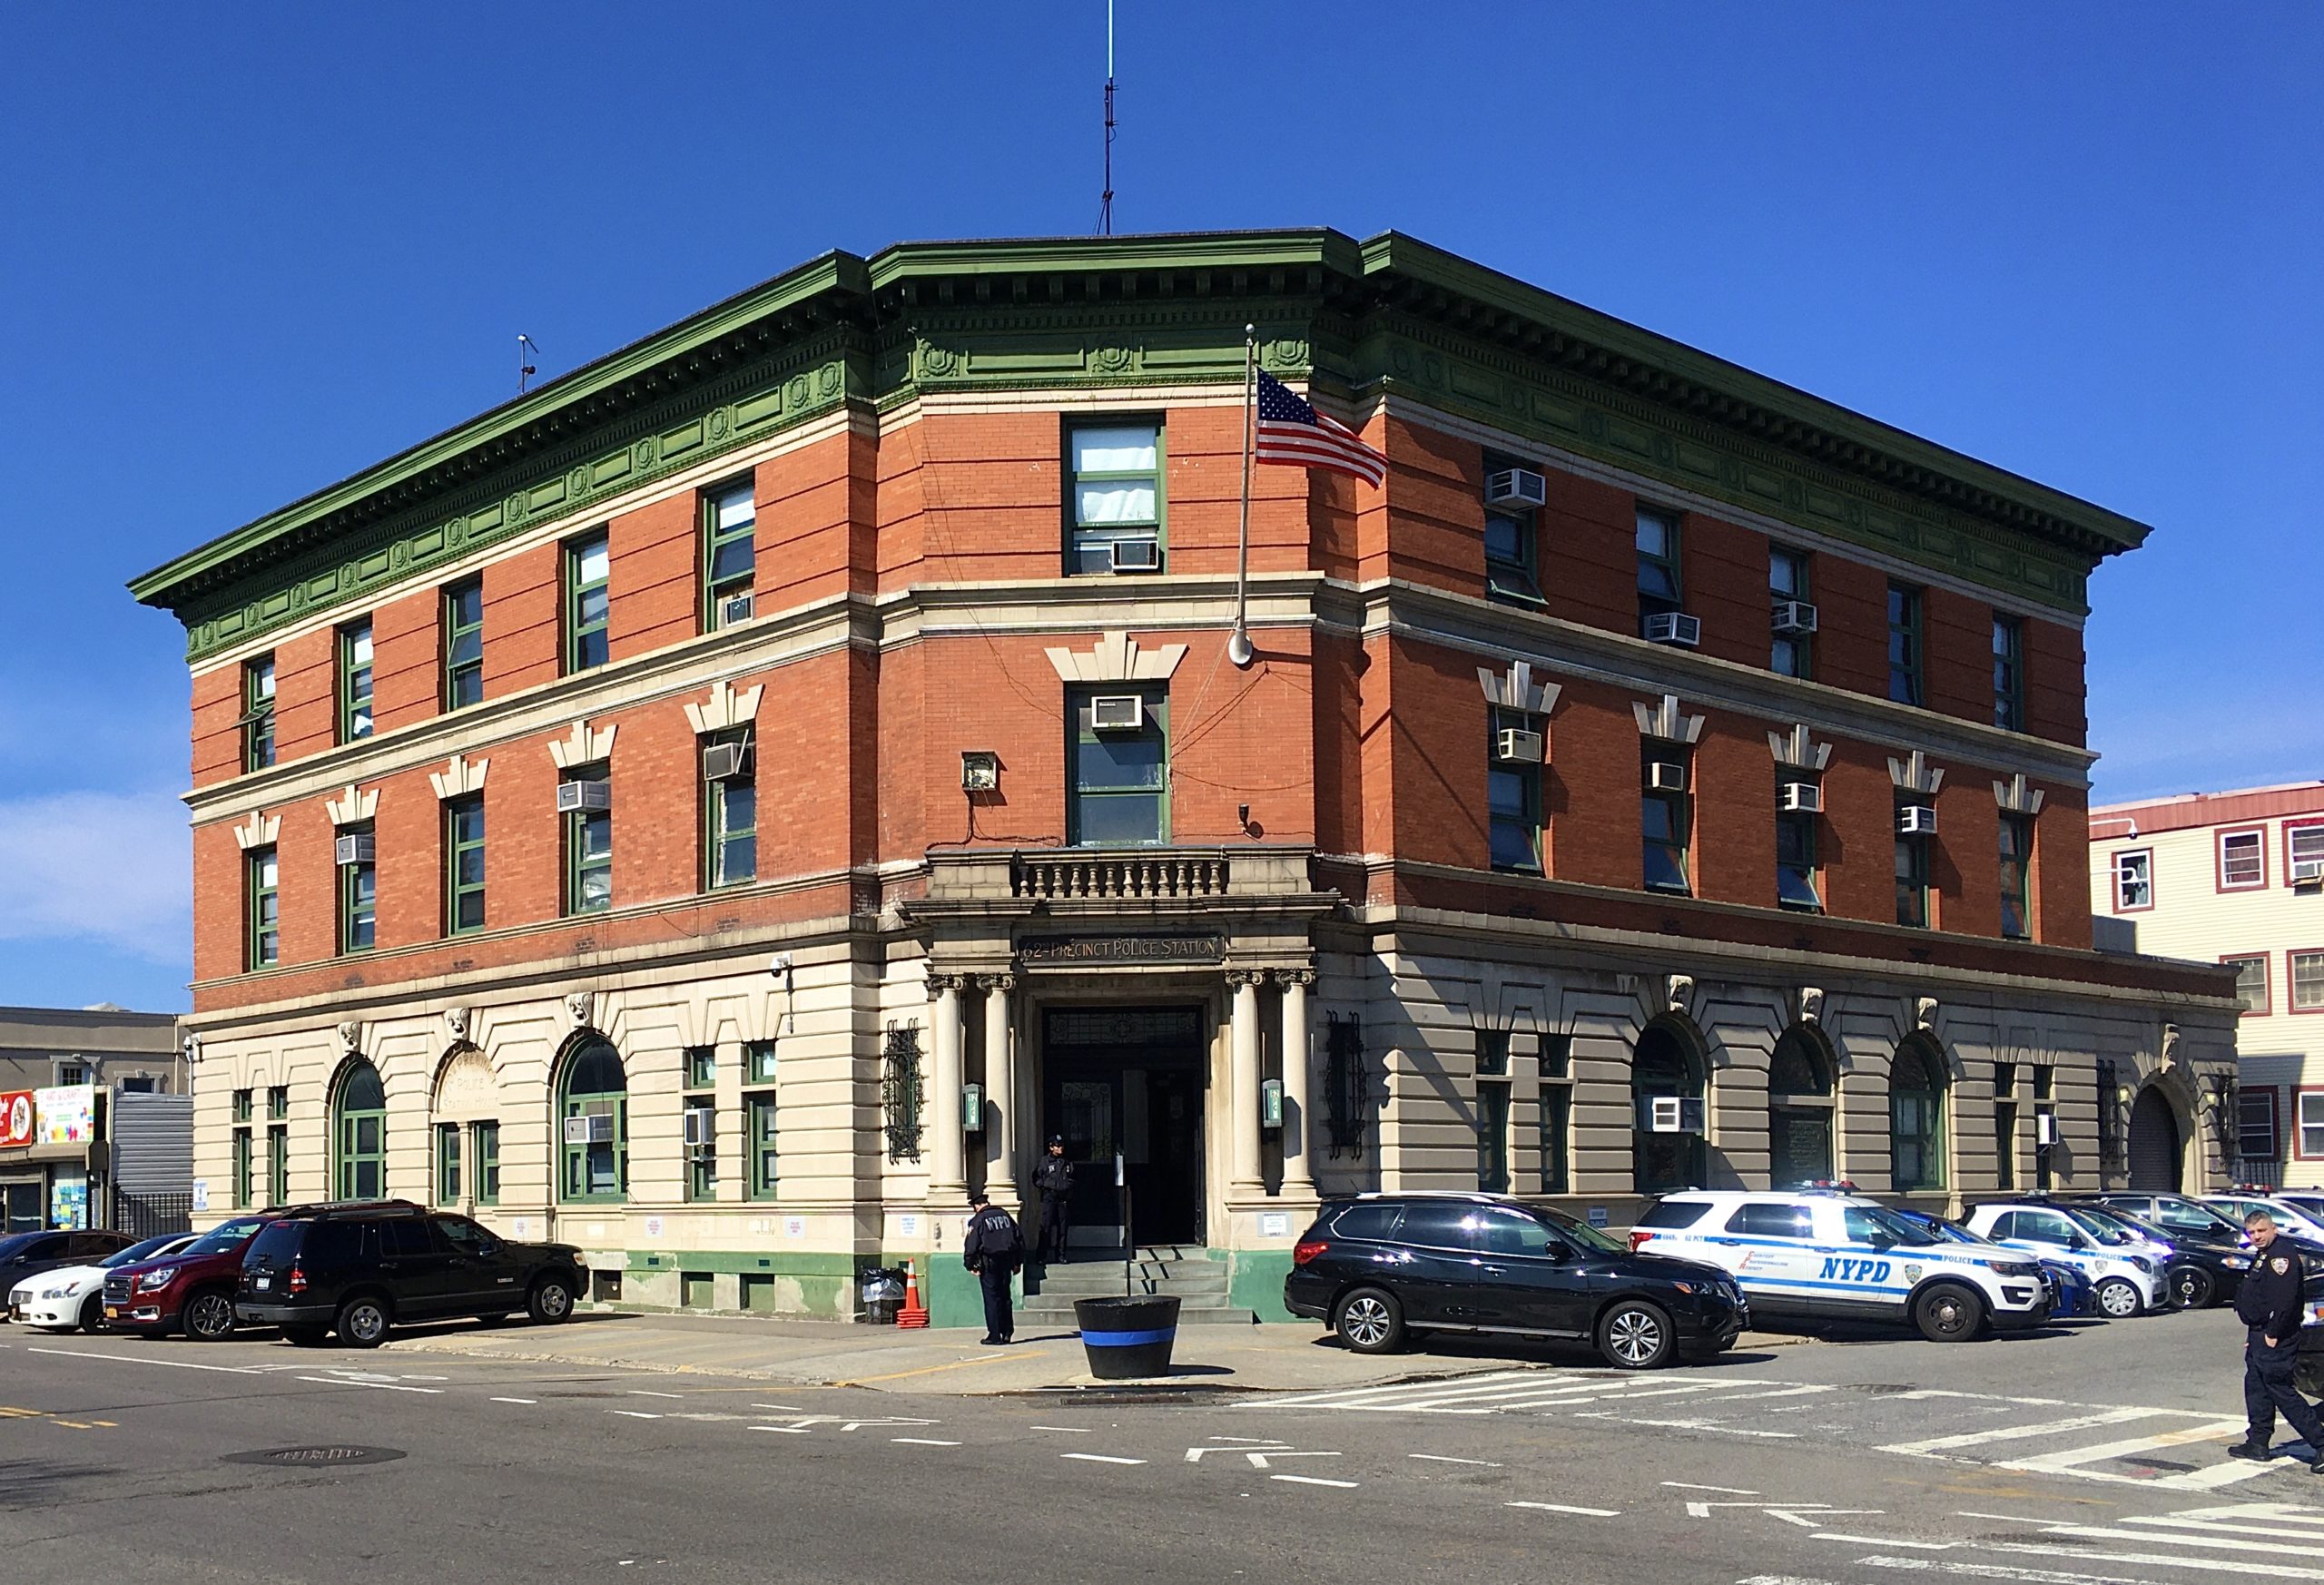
{"points": [[151, 1216]]}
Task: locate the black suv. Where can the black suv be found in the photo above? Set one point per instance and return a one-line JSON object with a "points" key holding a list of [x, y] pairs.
{"points": [[1380, 1268], [362, 1267]]}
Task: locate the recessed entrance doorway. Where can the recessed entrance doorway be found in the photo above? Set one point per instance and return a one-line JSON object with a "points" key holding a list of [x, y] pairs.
{"points": [[1128, 1080]]}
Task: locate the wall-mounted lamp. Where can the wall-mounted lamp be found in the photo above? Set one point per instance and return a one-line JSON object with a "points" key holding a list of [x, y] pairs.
{"points": [[979, 771]]}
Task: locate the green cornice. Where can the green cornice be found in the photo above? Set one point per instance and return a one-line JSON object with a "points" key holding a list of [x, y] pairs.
{"points": [[1390, 315]]}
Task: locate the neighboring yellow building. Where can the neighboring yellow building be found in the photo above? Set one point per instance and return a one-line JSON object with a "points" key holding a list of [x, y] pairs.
{"points": [[2234, 878]]}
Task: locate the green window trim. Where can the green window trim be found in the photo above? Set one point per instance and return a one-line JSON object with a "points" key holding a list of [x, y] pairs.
{"points": [[1119, 496], [463, 641], [1905, 650], [277, 1102], [1913, 909], [758, 1062], [1117, 783], [1799, 870], [594, 1083], [730, 835], [243, 1106], [760, 1119], [589, 853], [360, 1133], [447, 1164], [464, 867], [355, 721], [1513, 798], [2017, 877], [484, 1140], [729, 546], [1660, 586], [2009, 672], [241, 1170], [358, 900], [1557, 1139], [1915, 1122], [1511, 545], [278, 1166], [702, 1068], [1788, 578], [258, 713], [263, 908], [588, 580], [1492, 1136], [1665, 825]]}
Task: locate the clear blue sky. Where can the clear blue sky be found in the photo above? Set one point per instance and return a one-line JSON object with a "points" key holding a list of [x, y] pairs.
{"points": [[246, 250]]}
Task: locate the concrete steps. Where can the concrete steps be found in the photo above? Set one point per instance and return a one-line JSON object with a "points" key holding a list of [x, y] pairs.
{"points": [[1199, 1283]]}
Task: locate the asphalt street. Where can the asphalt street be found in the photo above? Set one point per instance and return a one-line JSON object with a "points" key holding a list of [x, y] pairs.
{"points": [[2077, 1457]]}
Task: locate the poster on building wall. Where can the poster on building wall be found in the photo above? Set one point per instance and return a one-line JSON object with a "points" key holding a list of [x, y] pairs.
{"points": [[68, 1200], [17, 1113], [66, 1116]]}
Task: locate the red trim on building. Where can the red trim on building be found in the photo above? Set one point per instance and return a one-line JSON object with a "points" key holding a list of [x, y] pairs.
{"points": [[2193, 809], [2291, 981], [2267, 970], [2290, 826]]}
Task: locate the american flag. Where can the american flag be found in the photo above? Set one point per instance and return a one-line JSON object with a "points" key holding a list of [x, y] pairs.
{"points": [[1294, 435]]}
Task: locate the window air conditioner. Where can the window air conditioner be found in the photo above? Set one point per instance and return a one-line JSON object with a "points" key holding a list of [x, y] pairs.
{"points": [[2307, 872], [724, 761], [735, 608], [597, 1128], [702, 1126], [1674, 628], [1666, 777], [356, 849], [1518, 489], [580, 797], [1794, 619], [1137, 555], [1671, 1113], [1517, 746], [1915, 820], [2045, 1127], [1801, 798], [1117, 713]]}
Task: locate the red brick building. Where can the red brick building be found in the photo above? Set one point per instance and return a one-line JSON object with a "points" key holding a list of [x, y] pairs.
{"points": [[727, 802]]}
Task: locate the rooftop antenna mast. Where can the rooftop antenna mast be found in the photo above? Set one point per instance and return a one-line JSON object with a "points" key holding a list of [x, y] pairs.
{"points": [[528, 353], [1106, 202]]}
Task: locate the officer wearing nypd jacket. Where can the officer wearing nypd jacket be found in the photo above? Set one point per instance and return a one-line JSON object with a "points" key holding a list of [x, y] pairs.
{"points": [[2269, 1303]]}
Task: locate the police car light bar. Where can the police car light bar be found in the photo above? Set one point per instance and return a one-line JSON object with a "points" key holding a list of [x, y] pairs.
{"points": [[1830, 1186]]}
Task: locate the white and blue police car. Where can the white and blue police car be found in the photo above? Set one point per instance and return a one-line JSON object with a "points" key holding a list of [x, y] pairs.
{"points": [[2128, 1275], [1831, 1256]]}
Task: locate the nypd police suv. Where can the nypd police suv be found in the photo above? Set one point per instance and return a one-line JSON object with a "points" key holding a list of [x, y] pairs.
{"points": [[2128, 1272], [1836, 1257]]}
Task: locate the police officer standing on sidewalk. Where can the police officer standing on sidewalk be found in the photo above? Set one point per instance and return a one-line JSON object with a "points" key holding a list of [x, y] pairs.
{"points": [[1053, 1176], [994, 1249], [2269, 1303]]}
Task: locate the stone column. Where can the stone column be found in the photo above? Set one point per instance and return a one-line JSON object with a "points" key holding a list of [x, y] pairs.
{"points": [[1298, 1181], [948, 1178], [1000, 1130], [1243, 1081]]}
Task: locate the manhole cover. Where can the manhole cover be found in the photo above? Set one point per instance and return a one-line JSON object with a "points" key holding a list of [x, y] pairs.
{"points": [[316, 1457]]}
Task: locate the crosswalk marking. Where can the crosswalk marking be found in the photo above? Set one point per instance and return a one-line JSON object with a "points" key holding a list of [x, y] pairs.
{"points": [[1936, 1444], [2073, 1460]]}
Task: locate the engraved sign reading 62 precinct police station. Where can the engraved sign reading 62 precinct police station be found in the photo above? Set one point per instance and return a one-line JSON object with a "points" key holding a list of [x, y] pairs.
{"points": [[1054, 951]]}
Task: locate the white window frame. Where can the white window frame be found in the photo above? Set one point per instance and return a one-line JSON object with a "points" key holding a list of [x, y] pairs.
{"points": [[2124, 880], [2310, 1123], [2291, 980], [2258, 837]]}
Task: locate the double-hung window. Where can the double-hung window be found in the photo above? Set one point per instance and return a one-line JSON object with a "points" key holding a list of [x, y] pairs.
{"points": [[2242, 859], [1557, 1114], [2016, 877], [2303, 854], [1513, 791], [258, 713], [2133, 881], [1660, 590], [277, 1146], [1119, 767], [1912, 878], [588, 576], [359, 890], [262, 910], [2009, 672], [2255, 1122], [701, 1120], [2305, 972], [242, 1142], [2311, 1125], [1510, 540], [1665, 820], [759, 1117], [1904, 644], [729, 519], [2251, 980], [1114, 499], [484, 1140], [1798, 878], [1792, 655], [463, 864], [588, 841], [447, 1164], [729, 808], [1492, 1111], [355, 681], [463, 644]]}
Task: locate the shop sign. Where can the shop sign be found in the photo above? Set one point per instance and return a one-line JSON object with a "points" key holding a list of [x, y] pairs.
{"points": [[66, 1116], [1045, 951], [17, 1113]]}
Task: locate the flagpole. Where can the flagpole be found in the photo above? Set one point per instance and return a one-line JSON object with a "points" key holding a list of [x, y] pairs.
{"points": [[1238, 643]]}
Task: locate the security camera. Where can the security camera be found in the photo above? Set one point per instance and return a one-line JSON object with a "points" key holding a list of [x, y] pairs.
{"points": [[191, 1047], [780, 967]]}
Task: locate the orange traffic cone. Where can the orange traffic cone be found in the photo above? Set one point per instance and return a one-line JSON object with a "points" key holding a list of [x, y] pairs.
{"points": [[912, 1314]]}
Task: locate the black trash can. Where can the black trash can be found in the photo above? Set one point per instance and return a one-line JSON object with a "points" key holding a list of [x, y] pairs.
{"points": [[1127, 1337]]}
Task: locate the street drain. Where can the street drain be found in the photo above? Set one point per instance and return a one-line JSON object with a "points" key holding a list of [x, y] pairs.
{"points": [[316, 1457]]}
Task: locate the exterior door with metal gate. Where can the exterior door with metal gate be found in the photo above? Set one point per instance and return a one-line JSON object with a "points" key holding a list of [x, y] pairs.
{"points": [[2156, 1153]]}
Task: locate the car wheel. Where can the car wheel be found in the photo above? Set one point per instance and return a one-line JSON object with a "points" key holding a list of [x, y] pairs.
{"points": [[2193, 1287], [2117, 1299], [1635, 1335], [208, 1316], [363, 1322], [1948, 1313], [93, 1312], [307, 1336], [550, 1301], [1370, 1321]]}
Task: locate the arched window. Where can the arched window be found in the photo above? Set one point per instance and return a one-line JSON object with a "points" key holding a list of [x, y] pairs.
{"points": [[1916, 1116], [592, 1124], [360, 1133], [1663, 1066], [1799, 1111]]}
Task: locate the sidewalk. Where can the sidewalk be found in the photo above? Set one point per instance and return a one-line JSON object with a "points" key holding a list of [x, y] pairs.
{"points": [[838, 1353]]}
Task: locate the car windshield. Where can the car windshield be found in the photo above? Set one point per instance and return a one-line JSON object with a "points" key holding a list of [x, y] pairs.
{"points": [[1582, 1233], [137, 1252], [2102, 1226], [2205, 1219], [224, 1236], [1864, 1220], [15, 1244]]}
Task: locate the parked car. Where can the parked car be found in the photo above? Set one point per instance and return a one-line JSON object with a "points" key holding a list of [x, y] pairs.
{"points": [[2071, 1290], [2288, 1217], [32, 1254], [191, 1291], [2308, 1203], [74, 1296], [2128, 1279], [1830, 1256], [1381, 1267], [2205, 1264], [361, 1269], [2307, 1366]]}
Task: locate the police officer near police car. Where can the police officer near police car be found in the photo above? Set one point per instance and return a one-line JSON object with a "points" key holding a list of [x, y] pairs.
{"points": [[993, 1249], [2269, 1304]]}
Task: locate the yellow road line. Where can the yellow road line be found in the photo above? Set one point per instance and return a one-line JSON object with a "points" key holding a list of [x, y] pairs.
{"points": [[928, 1370]]}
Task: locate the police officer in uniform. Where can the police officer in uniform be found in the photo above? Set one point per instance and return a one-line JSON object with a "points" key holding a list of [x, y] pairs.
{"points": [[2269, 1303], [1053, 1176], [993, 1249]]}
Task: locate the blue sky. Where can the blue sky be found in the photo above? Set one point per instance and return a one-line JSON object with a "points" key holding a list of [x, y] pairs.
{"points": [[246, 250]]}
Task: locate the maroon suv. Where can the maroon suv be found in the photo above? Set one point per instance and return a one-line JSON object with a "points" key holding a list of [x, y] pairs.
{"points": [[191, 1291]]}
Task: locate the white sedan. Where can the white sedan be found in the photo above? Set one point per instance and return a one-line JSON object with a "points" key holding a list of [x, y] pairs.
{"points": [[74, 1296], [2287, 1216]]}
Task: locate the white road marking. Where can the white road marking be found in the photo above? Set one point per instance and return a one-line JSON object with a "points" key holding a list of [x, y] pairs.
{"points": [[1100, 1459], [2247, 1512], [1688, 1426], [1996, 1571], [2304, 1546], [2011, 1517], [382, 1386], [181, 1364], [634, 1414], [786, 1429], [1924, 1393], [642, 1392], [2162, 1560], [1449, 1458], [924, 1442], [516, 1399], [1251, 1440], [1691, 1486], [1258, 1456], [1569, 1508], [1315, 1480], [2069, 1460], [2221, 1474], [1936, 1445], [1886, 1541], [1778, 1392], [781, 1408], [1781, 1580], [1067, 1430]]}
